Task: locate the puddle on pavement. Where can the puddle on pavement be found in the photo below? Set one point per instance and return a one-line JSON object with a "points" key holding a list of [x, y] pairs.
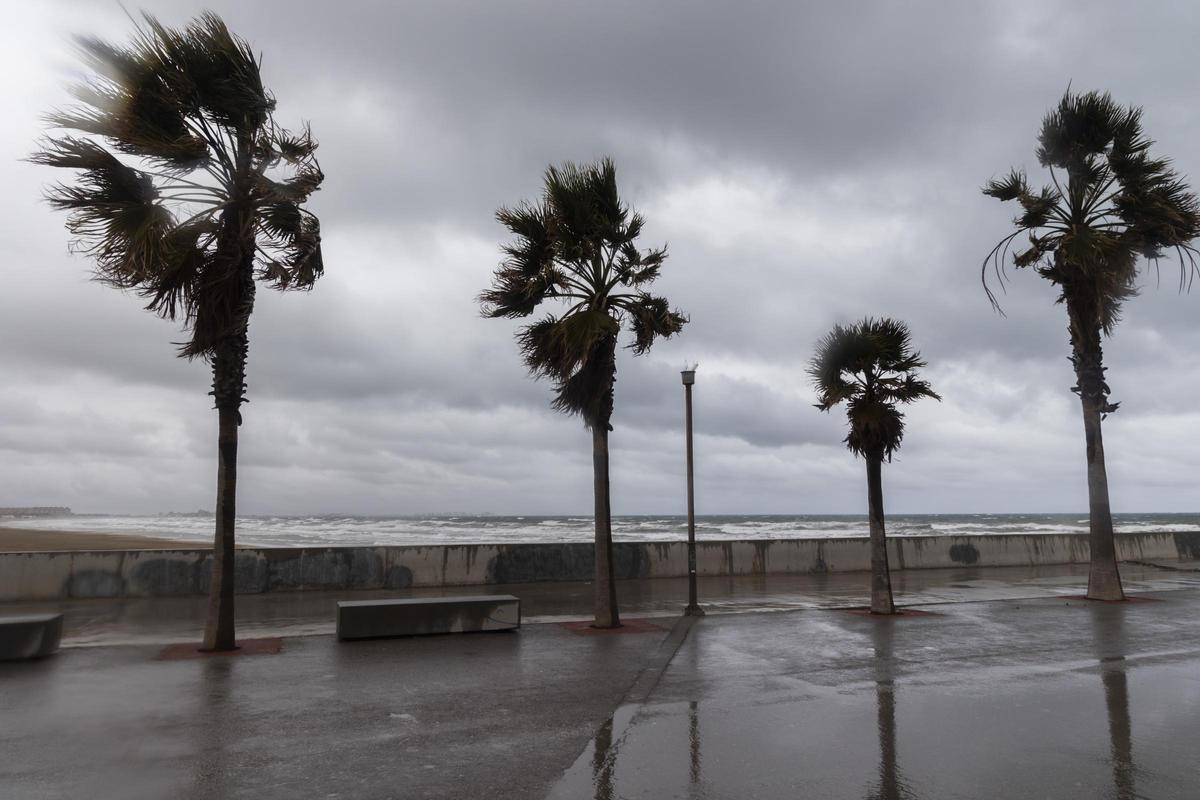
{"points": [[1118, 728]]}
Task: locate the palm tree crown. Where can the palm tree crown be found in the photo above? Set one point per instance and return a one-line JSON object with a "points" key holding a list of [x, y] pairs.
{"points": [[1108, 203], [578, 244], [872, 367], [201, 201]]}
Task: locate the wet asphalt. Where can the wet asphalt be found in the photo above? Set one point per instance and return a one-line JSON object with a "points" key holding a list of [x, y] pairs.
{"points": [[1032, 699], [1016, 697], [456, 716]]}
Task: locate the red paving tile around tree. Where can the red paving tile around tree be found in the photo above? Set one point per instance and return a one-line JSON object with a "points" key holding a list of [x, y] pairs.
{"points": [[628, 626]]}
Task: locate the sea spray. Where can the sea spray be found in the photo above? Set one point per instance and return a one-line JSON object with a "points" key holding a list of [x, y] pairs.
{"points": [[349, 530]]}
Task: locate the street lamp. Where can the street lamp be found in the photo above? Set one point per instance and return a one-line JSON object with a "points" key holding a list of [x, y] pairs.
{"points": [[693, 608]]}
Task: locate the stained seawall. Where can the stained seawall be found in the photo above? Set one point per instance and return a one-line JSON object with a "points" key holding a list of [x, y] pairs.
{"points": [[152, 573]]}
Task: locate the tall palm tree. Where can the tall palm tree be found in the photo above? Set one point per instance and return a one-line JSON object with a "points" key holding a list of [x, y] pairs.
{"points": [[188, 193], [1109, 209], [872, 367], [577, 245]]}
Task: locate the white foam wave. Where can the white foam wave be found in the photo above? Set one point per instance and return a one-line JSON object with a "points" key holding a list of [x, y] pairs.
{"points": [[362, 531]]}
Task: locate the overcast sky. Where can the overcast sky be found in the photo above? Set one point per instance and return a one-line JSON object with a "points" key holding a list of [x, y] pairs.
{"points": [[807, 163]]}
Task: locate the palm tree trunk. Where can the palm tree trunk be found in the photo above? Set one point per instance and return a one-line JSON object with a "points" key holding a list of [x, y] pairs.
{"points": [[219, 630], [605, 598], [1104, 578], [881, 582], [229, 392], [1087, 356]]}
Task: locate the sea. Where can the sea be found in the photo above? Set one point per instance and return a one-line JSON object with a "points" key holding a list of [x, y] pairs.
{"points": [[343, 530]]}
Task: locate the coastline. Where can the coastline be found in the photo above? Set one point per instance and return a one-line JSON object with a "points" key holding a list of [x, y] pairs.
{"points": [[259, 531], [25, 540]]}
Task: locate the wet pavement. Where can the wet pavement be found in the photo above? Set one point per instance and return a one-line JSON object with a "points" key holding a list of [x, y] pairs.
{"points": [[494, 715], [1023, 696], [1036, 699], [180, 619]]}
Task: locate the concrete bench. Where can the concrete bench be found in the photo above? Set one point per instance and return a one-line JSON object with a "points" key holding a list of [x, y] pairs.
{"points": [[369, 619], [31, 636]]}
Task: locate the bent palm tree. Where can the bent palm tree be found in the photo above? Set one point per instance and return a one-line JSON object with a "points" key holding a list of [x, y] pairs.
{"points": [[871, 366], [177, 148], [578, 244], [1108, 204]]}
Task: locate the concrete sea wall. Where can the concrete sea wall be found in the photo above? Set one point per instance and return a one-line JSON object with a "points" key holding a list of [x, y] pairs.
{"points": [[154, 573]]}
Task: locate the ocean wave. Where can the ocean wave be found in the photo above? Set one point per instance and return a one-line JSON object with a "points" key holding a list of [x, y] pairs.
{"points": [[342, 530]]}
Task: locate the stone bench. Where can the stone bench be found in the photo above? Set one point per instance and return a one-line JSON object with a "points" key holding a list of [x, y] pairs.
{"points": [[370, 619], [30, 636]]}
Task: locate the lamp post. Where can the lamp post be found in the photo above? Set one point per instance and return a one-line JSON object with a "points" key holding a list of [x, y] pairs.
{"points": [[693, 608]]}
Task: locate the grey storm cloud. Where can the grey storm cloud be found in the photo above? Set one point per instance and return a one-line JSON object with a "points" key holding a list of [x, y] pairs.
{"points": [[806, 163]]}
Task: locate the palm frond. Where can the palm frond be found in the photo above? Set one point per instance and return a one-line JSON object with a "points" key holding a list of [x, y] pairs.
{"points": [[213, 72], [869, 365], [1081, 126], [907, 389], [115, 211], [1010, 187], [527, 276], [558, 346], [220, 300], [651, 317], [588, 391], [172, 292], [635, 268], [131, 101], [1116, 204], [295, 148], [299, 262], [187, 221], [876, 427], [578, 244], [297, 189]]}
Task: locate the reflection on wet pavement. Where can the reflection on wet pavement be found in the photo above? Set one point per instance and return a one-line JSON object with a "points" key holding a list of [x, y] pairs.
{"points": [[891, 785], [1044, 699], [694, 740], [212, 709], [1108, 635]]}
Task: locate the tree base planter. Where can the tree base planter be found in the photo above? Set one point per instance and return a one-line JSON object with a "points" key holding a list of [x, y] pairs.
{"points": [[31, 636], [373, 619]]}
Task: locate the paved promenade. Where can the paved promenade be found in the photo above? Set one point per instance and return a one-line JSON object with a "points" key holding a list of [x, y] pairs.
{"points": [[1051, 697], [1000, 700]]}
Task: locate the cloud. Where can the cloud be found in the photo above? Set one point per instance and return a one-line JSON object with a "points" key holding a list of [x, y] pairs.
{"points": [[806, 164]]}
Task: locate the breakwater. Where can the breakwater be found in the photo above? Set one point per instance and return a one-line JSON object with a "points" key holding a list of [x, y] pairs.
{"points": [[35, 511], [152, 573]]}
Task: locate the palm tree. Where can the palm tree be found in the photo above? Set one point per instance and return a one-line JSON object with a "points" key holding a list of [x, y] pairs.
{"points": [[577, 244], [871, 366], [1108, 210], [180, 198]]}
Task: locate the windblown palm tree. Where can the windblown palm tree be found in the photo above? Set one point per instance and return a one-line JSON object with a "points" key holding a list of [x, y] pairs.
{"points": [[181, 199], [577, 244], [872, 367], [1109, 205]]}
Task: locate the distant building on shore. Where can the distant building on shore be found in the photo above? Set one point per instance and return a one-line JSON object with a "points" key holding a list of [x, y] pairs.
{"points": [[36, 511]]}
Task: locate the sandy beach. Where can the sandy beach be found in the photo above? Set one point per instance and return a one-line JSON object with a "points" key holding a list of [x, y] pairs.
{"points": [[26, 540]]}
